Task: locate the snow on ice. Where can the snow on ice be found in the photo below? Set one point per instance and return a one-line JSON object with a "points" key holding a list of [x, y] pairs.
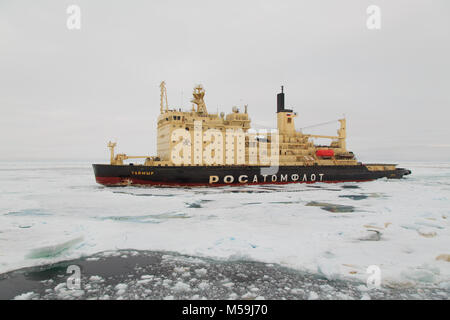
{"points": [[55, 211]]}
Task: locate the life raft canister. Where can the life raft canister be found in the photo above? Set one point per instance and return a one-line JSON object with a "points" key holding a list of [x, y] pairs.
{"points": [[325, 153]]}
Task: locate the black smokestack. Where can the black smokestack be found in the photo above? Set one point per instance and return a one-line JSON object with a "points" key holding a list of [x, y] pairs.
{"points": [[280, 101]]}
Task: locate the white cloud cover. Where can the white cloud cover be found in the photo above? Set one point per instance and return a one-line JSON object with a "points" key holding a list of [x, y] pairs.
{"points": [[64, 94]]}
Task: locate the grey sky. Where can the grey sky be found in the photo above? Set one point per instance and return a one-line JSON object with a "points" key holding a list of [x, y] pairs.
{"points": [[64, 94]]}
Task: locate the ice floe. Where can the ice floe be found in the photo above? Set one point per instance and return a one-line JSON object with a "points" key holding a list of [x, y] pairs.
{"points": [[51, 212]]}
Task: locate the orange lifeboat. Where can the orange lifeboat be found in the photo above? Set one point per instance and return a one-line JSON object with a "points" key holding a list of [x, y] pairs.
{"points": [[325, 153]]}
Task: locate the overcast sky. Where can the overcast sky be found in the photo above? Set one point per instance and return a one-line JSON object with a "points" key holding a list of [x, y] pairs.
{"points": [[65, 93]]}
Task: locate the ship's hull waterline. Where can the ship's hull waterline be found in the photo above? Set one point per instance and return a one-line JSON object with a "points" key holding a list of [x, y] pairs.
{"points": [[123, 175]]}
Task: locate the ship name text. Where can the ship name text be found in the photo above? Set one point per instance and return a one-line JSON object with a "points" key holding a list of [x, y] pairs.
{"points": [[267, 178]]}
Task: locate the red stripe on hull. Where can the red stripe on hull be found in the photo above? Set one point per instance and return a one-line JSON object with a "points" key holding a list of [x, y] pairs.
{"points": [[116, 181]]}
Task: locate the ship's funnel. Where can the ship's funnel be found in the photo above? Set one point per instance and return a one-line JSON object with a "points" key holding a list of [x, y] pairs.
{"points": [[280, 101]]}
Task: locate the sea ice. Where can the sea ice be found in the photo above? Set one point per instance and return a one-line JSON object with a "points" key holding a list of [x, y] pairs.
{"points": [[271, 224], [181, 286], [26, 296]]}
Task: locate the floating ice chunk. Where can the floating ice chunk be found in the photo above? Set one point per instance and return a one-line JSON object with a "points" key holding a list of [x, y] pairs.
{"points": [[145, 281], [362, 288], [93, 259], [181, 269], [365, 296], [343, 296], [96, 279], [203, 285], [64, 293], [121, 288], [371, 235], [228, 284], [410, 226], [296, 291], [54, 250], [249, 295], [313, 296], [193, 205], [338, 208], [26, 296], [166, 283], [60, 286], [426, 232], [181, 286], [398, 284], [374, 226], [329, 269], [429, 224], [420, 275], [76, 293], [182, 259], [48, 281], [233, 296], [201, 272]]}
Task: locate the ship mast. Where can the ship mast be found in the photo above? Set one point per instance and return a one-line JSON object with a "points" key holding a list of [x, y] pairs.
{"points": [[111, 146], [163, 104], [198, 94]]}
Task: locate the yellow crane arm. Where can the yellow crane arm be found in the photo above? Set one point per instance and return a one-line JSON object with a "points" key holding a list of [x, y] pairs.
{"points": [[136, 157], [321, 136]]}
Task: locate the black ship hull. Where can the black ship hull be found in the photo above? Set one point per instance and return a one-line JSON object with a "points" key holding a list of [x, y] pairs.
{"points": [[120, 175]]}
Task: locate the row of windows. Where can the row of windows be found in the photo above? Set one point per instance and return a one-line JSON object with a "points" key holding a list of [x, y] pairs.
{"points": [[218, 150], [177, 118], [174, 118], [198, 157]]}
